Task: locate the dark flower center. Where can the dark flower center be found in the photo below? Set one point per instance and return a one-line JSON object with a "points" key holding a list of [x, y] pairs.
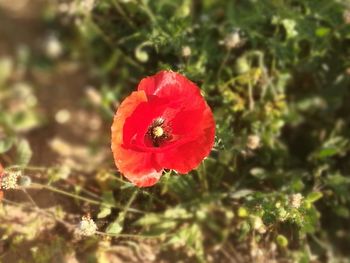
{"points": [[158, 132]]}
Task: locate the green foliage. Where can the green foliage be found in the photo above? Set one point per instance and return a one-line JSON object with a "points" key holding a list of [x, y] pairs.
{"points": [[272, 69], [275, 73]]}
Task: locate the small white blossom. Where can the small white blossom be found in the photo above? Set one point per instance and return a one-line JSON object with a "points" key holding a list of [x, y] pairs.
{"points": [[253, 142], [53, 47], [258, 225], [10, 180], [87, 226], [186, 51], [232, 40], [295, 200]]}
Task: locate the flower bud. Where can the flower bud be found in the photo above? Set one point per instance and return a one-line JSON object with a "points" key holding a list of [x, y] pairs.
{"points": [[24, 181]]}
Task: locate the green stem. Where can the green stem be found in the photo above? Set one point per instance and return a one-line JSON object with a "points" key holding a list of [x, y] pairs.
{"points": [[128, 235], [203, 173], [223, 63], [123, 14], [53, 189], [148, 11]]}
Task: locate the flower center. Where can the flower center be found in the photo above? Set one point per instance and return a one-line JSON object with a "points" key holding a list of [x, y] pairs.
{"points": [[157, 131]]}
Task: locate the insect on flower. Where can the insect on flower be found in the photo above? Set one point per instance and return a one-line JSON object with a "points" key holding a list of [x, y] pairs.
{"points": [[165, 124]]}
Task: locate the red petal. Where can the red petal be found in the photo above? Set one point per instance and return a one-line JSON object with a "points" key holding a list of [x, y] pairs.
{"points": [[188, 156], [169, 84], [139, 167], [136, 125], [190, 121]]}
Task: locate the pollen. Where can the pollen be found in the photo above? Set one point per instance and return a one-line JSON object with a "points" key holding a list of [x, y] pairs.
{"points": [[157, 131]]}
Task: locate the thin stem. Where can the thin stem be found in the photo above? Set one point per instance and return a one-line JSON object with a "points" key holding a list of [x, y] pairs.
{"points": [[90, 201], [224, 61], [30, 198], [148, 11], [123, 14], [129, 235], [203, 173], [44, 169]]}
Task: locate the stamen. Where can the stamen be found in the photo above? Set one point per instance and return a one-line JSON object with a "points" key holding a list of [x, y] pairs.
{"points": [[157, 131]]}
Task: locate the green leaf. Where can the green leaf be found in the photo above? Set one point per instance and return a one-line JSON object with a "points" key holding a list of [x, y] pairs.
{"points": [[191, 236], [104, 212], [24, 152], [289, 26], [327, 152], [241, 193], [342, 211], [108, 197], [322, 31], [114, 228], [6, 144], [313, 197]]}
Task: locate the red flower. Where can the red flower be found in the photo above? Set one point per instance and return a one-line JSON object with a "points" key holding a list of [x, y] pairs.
{"points": [[165, 124]]}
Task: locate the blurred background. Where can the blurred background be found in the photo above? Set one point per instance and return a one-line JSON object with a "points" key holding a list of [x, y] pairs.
{"points": [[276, 187]]}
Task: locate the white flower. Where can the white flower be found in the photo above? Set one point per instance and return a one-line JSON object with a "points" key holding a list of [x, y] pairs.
{"points": [[232, 40], [259, 225], [253, 142], [186, 51], [295, 200], [10, 180], [53, 47], [87, 226]]}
